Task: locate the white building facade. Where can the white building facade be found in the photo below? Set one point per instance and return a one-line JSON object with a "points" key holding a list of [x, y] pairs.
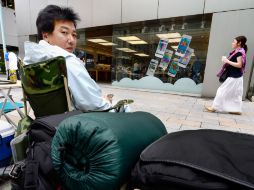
{"points": [[217, 20]]}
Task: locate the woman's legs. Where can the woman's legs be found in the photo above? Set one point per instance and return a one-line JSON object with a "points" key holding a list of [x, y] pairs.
{"points": [[229, 96]]}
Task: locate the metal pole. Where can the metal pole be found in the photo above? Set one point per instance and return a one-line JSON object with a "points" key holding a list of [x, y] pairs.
{"points": [[2, 33]]}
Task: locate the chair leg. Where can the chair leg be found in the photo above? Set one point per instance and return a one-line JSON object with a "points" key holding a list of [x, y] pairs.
{"points": [[68, 98], [25, 102], [10, 121]]}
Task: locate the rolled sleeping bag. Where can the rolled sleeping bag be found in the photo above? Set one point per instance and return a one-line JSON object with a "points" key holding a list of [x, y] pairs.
{"points": [[96, 151]]}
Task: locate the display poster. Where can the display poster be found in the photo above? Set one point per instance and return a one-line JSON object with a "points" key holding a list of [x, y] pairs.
{"points": [[152, 67], [183, 45], [183, 61], [166, 59], [161, 48], [172, 71]]}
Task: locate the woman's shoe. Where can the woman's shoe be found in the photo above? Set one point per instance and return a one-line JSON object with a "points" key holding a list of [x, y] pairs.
{"points": [[235, 113], [210, 109]]}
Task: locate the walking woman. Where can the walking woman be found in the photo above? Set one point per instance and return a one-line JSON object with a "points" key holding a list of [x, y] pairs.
{"points": [[229, 95]]}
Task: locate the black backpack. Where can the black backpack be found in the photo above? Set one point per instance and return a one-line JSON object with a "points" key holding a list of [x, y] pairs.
{"points": [[36, 171], [196, 159]]}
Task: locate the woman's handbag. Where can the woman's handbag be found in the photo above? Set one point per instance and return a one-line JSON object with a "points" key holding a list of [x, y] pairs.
{"points": [[223, 76]]}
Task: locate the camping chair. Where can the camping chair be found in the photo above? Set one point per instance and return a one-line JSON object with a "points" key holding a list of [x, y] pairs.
{"points": [[7, 104], [45, 87], [6, 107]]}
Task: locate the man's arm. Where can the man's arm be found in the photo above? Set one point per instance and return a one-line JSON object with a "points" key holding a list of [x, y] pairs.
{"points": [[86, 93]]}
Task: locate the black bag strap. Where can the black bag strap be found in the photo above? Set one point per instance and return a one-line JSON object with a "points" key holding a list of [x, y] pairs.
{"points": [[31, 171], [12, 171], [31, 174]]}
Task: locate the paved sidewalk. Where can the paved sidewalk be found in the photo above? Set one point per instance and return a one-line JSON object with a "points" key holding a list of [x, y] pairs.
{"points": [[183, 112], [175, 111]]}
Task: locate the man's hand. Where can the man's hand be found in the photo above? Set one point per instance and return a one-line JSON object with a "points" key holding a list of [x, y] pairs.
{"points": [[109, 97]]}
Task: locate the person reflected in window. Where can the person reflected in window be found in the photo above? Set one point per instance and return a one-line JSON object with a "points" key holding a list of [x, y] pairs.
{"points": [[229, 95], [136, 70], [196, 70], [57, 33]]}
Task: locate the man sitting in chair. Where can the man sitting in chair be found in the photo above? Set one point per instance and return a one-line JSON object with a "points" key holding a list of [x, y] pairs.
{"points": [[57, 33]]}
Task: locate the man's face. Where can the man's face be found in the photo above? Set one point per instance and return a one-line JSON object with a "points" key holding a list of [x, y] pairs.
{"points": [[64, 35]]}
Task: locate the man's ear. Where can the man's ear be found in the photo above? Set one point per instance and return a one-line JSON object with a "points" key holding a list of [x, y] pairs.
{"points": [[45, 36]]}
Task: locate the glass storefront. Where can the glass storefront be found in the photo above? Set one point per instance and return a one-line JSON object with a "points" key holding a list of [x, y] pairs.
{"points": [[167, 54], [8, 3]]}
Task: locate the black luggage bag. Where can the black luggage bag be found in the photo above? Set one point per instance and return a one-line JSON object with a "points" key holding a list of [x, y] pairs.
{"points": [[36, 171], [196, 159]]}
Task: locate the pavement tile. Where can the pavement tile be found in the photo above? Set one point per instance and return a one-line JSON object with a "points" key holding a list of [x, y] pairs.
{"points": [[173, 128], [190, 123], [226, 120], [246, 131], [182, 111], [201, 118], [188, 127], [175, 111], [244, 122], [179, 116], [227, 124], [206, 125], [246, 126]]}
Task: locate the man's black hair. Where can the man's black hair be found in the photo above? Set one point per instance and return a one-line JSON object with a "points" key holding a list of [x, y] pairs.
{"points": [[46, 19]]}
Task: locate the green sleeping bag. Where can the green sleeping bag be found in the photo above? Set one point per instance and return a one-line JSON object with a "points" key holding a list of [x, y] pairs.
{"points": [[97, 151]]}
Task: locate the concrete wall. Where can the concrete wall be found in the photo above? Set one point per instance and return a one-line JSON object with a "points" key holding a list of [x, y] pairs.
{"points": [[212, 6], [225, 27], [179, 8], [10, 27], [100, 12]]}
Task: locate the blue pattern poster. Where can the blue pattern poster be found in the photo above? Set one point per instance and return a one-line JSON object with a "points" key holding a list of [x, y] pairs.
{"points": [[183, 45], [166, 59], [161, 48], [183, 61], [173, 69]]}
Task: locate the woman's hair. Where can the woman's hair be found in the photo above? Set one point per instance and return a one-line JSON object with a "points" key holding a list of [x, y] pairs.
{"points": [[46, 19], [242, 40]]}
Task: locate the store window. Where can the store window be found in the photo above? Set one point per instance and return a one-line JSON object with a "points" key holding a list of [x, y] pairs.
{"points": [[8, 3], [98, 54], [167, 54]]}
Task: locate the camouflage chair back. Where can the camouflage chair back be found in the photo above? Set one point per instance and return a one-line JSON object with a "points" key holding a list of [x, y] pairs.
{"points": [[45, 87]]}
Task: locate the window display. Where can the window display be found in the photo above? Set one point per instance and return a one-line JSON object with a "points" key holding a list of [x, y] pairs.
{"points": [[172, 56]]}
